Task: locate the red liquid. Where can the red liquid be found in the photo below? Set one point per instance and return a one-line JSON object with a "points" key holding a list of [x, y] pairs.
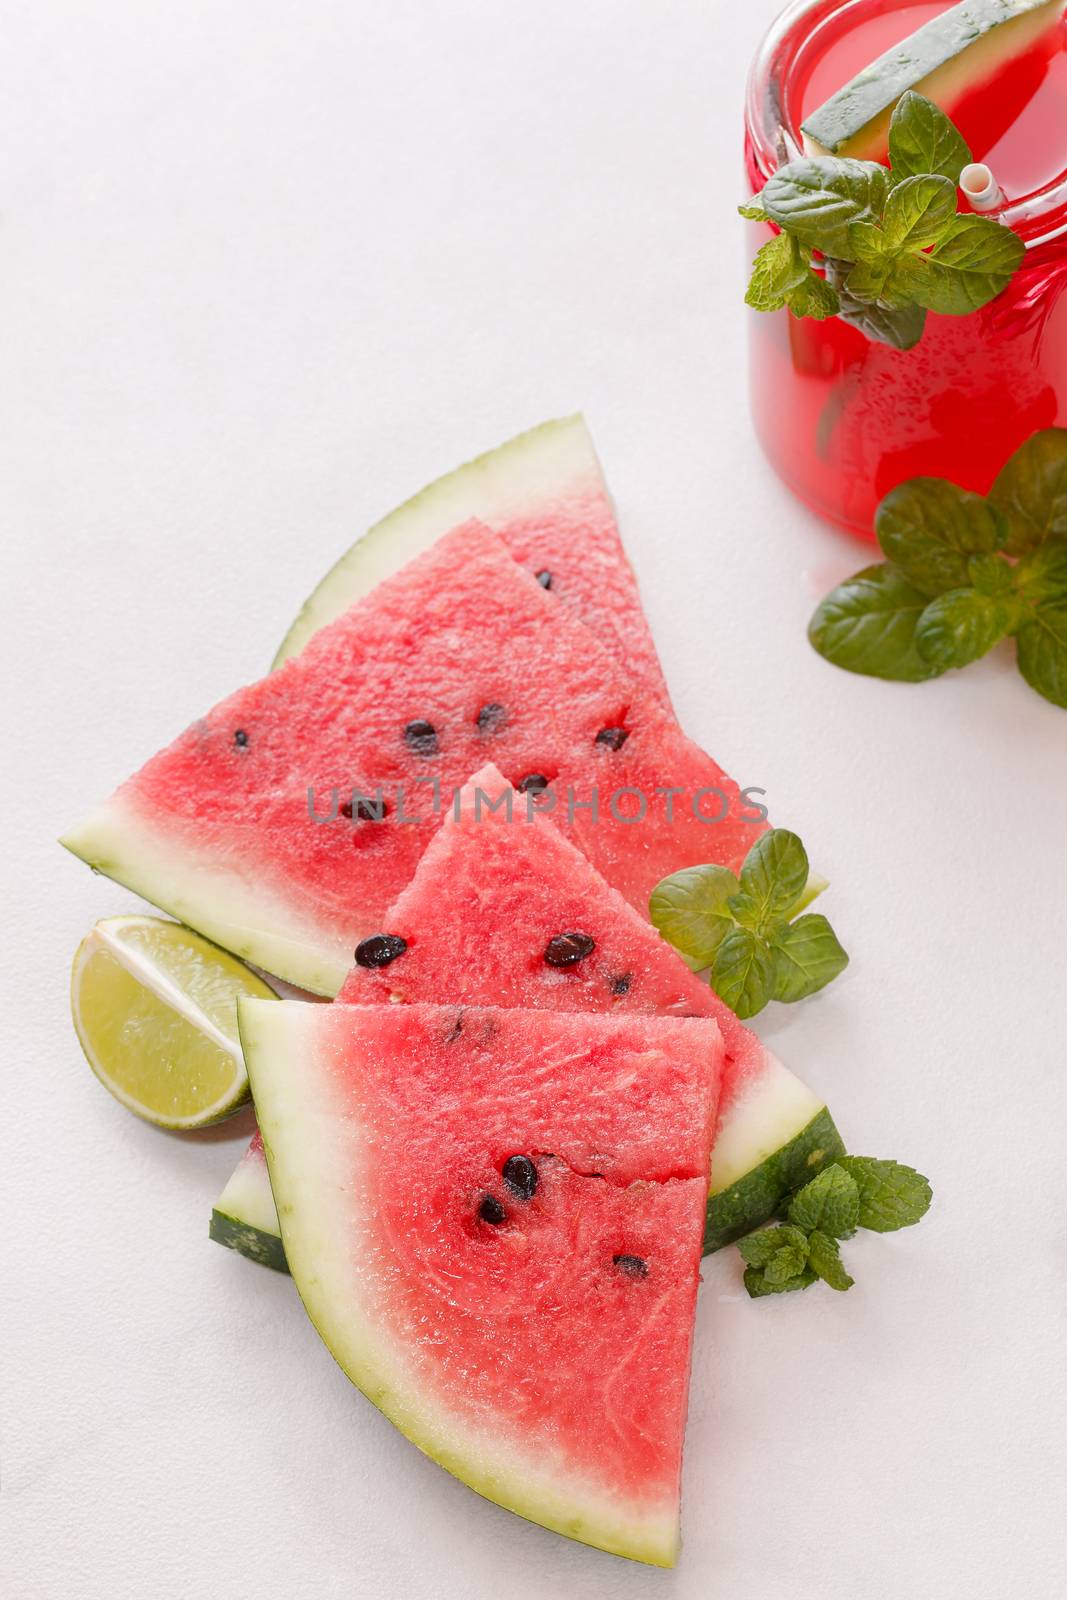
{"points": [[844, 419]]}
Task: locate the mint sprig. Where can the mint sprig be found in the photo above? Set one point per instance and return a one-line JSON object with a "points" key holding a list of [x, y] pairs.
{"points": [[747, 929], [964, 571], [782, 276], [892, 243], [854, 1192]]}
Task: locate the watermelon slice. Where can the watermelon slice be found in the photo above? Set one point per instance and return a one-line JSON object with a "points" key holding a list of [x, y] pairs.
{"points": [[956, 53], [545, 495], [486, 900], [494, 1220], [459, 658]]}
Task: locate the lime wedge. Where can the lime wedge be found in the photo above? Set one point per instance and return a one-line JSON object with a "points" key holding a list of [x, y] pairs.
{"points": [[155, 1010]]}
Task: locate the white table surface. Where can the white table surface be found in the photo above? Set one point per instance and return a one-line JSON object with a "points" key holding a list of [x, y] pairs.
{"points": [[267, 268]]}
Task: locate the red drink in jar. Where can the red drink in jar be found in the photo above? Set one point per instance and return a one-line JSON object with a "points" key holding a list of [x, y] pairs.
{"points": [[844, 419]]}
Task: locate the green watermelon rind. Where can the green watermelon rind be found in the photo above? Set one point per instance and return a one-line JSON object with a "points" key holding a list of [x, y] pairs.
{"points": [[952, 53], [543, 464], [245, 1217], [255, 1244], [523, 1488], [752, 1200]]}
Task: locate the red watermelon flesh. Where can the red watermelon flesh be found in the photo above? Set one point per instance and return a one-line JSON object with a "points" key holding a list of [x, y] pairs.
{"points": [[476, 920], [487, 898], [544, 494], [216, 828], [531, 1334]]}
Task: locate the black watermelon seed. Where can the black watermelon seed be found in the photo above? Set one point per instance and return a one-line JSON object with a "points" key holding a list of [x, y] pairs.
{"points": [[534, 783], [490, 1210], [240, 739], [621, 984], [380, 949], [520, 1175], [544, 578], [633, 1266], [365, 810], [567, 948], [421, 737], [490, 718], [614, 738]]}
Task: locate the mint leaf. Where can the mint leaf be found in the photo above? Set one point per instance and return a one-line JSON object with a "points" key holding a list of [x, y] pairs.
{"points": [[851, 1192], [753, 212], [690, 910], [813, 297], [782, 276], [780, 1252], [891, 1195], [959, 627], [1041, 634], [780, 265], [824, 1256], [928, 527], [758, 1248], [772, 879], [991, 575], [816, 200], [918, 212], [1042, 574], [922, 139], [1042, 650], [1031, 491], [714, 919], [831, 1201], [742, 973], [808, 956], [973, 263], [787, 1263], [868, 625], [900, 327], [869, 278], [757, 1285], [894, 244], [867, 243]]}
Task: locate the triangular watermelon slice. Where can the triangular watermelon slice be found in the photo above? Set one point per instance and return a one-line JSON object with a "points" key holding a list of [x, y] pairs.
{"points": [[494, 1220], [459, 658], [486, 900], [544, 494]]}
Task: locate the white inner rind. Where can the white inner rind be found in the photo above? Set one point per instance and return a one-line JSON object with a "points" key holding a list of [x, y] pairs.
{"points": [[237, 910], [314, 1150], [770, 1111], [539, 468], [248, 1198]]}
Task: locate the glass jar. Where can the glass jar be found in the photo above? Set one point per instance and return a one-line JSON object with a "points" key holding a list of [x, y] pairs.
{"points": [[843, 419]]}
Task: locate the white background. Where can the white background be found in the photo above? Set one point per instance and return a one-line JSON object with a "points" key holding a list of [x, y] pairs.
{"points": [[267, 267]]}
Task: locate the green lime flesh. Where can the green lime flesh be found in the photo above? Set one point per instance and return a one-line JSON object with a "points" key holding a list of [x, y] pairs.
{"points": [[154, 1008]]}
